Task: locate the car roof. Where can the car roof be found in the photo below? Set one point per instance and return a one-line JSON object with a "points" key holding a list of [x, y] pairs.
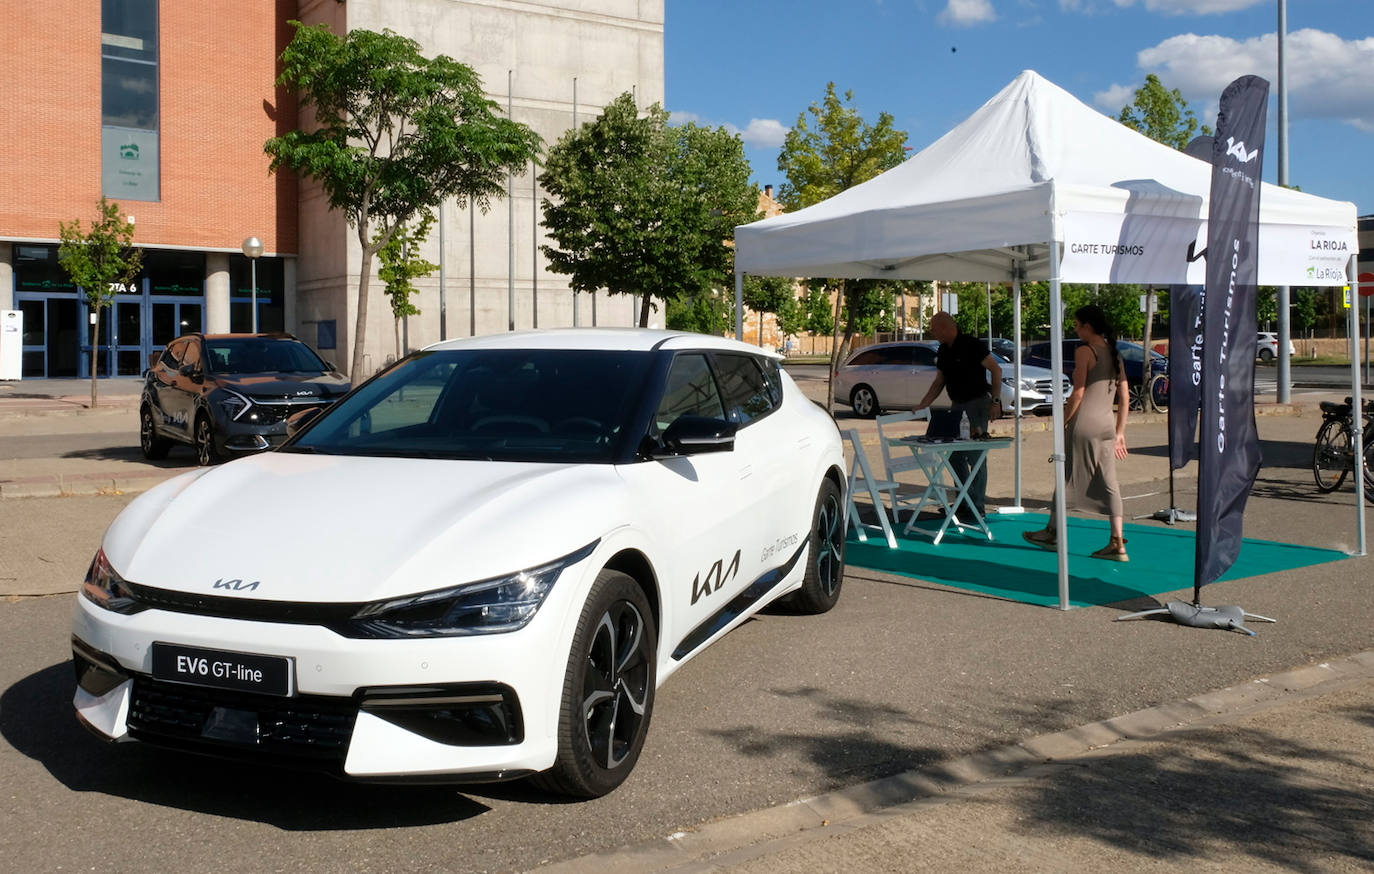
{"points": [[603, 339]]}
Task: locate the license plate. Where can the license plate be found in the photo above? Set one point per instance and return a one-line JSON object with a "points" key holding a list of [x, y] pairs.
{"points": [[242, 672]]}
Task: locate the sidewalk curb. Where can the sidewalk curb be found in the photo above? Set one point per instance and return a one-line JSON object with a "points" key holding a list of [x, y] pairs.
{"points": [[717, 845], [72, 485]]}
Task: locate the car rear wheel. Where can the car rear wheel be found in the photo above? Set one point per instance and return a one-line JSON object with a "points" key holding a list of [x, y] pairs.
{"points": [[154, 448], [1266, 355], [206, 453], [608, 691], [864, 401], [820, 588]]}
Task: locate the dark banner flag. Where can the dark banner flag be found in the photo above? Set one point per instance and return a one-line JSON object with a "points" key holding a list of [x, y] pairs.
{"points": [[1229, 458], [1185, 371]]}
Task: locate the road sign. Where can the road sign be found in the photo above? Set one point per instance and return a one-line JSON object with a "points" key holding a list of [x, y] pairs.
{"points": [[1366, 284]]}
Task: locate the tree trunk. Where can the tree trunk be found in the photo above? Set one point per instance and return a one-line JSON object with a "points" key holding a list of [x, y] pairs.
{"points": [[355, 372], [644, 312], [396, 322], [95, 354], [1147, 367], [834, 354]]}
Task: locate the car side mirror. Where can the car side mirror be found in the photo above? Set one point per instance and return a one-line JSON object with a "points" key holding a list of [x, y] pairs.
{"points": [[296, 421], [693, 435]]}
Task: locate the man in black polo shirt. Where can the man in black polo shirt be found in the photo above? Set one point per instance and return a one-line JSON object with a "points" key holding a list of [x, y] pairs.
{"points": [[962, 367]]}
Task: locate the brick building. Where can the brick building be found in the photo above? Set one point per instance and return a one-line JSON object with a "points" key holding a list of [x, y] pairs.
{"points": [[164, 107]]}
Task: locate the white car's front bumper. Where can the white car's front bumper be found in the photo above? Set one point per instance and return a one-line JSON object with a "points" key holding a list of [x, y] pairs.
{"points": [[474, 708]]}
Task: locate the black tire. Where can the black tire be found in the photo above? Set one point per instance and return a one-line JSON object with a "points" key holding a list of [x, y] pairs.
{"points": [[820, 588], [864, 401], [154, 447], [1266, 355], [1331, 455], [608, 691], [206, 451], [1159, 392], [1368, 469]]}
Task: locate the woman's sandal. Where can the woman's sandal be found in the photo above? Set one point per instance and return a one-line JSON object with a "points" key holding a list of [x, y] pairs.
{"points": [[1043, 538], [1115, 550]]}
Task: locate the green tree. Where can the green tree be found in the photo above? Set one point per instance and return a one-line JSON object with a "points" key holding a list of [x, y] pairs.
{"points": [[818, 316], [642, 208], [100, 261], [401, 265], [771, 294], [397, 133], [1161, 114], [832, 148], [709, 313]]}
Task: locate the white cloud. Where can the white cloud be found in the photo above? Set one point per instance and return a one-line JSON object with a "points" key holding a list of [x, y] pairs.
{"points": [[1328, 77], [680, 118], [1114, 98], [1197, 7], [967, 13], [766, 133]]}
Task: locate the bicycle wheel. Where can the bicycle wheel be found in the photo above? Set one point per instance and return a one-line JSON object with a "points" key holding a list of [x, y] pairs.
{"points": [[1159, 392], [1369, 471], [1331, 455]]}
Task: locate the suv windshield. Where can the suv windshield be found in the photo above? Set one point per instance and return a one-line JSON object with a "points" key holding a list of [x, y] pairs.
{"points": [[261, 355], [549, 405]]}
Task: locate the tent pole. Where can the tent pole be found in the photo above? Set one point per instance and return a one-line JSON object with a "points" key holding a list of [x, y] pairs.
{"points": [[1356, 402], [1061, 529], [1016, 375], [739, 305]]}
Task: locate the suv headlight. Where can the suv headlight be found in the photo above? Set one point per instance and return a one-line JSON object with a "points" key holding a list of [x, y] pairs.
{"points": [[493, 606], [105, 588], [234, 404]]}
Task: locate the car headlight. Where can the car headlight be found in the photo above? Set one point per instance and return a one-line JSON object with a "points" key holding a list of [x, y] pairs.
{"points": [[1026, 384], [493, 606], [105, 588], [234, 404]]}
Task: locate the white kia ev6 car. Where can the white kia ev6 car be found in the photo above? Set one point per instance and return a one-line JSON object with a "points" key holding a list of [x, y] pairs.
{"points": [[477, 566]]}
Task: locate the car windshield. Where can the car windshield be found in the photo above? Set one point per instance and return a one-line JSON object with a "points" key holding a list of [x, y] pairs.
{"points": [[261, 355], [541, 405]]}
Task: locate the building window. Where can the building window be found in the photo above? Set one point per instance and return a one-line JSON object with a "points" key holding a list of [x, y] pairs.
{"points": [[129, 99]]}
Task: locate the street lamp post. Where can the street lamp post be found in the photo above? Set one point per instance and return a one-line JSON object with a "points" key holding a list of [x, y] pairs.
{"points": [[252, 250]]}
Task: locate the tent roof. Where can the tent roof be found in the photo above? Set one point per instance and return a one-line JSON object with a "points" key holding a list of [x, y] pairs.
{"points": [[985, 200]]}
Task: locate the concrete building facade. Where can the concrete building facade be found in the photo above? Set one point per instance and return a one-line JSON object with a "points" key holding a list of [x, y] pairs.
{"points": [[165, 106]]}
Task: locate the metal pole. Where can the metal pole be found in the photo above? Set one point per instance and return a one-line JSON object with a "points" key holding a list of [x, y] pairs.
{"points": [[1061, 528], [472, 269], [253, 262], [1016, 374], [1284, 383], [443, 277], [577, 315], [739, 305], [534, 239], [510, 237], [1357, 405]]}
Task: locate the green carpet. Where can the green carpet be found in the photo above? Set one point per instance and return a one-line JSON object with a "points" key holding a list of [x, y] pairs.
{"points": [[1008, 567]]}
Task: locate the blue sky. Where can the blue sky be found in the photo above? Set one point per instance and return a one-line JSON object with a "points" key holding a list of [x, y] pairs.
{"points": [[755, 65]]}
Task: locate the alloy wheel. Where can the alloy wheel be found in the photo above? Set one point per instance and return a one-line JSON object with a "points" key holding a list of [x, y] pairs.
{"points": [[830, 555], [616, 686]]}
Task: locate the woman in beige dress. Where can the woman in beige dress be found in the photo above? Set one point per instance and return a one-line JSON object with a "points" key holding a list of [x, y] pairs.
{"points": [[1096, 434]]}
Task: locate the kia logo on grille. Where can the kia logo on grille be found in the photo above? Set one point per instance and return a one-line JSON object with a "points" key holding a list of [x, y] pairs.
{"points": [[236, 585]]}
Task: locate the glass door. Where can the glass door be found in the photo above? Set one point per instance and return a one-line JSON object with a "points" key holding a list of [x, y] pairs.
{"points": [[127, 344]]}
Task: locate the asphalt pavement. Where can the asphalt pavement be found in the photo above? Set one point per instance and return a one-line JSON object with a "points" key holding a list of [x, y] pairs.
{"points": [[915, 728]]}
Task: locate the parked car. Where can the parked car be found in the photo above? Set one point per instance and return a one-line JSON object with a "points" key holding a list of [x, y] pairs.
{"points": [[1267, 346], [478, 566], [897, 375], [1132, 356], [231, 394]]}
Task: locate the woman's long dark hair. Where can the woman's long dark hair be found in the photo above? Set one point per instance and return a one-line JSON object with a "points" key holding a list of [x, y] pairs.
{"points": [[1094, 318]]}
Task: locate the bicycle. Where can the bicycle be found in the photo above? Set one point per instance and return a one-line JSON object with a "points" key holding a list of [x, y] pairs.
{"points": [[1157, 392], [1333, 456]]}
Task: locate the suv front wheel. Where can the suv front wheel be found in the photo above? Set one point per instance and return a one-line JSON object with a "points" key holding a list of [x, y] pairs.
{"points": [[206, 453]]}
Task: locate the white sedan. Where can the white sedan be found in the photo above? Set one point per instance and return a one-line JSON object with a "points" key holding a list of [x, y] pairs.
{"points": [[895, 376], [477, 566]]}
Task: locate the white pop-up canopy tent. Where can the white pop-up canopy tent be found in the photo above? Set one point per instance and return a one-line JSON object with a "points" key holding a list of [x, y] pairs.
{"points": [[1036, 185]]}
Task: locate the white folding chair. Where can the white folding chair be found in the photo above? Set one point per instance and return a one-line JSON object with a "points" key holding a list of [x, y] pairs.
{"points": [[861, 477], [895, 463]]}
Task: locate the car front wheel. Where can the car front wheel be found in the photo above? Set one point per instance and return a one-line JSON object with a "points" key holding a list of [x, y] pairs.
{"points": [[608, 691], [1266, 355], [206, 453]]}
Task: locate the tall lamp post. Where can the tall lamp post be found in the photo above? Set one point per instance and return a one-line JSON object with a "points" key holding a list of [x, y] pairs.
{"points": [[252, 250]]}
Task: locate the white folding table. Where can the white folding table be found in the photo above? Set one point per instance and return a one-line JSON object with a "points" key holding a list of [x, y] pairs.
{"points": [[932, 456]]}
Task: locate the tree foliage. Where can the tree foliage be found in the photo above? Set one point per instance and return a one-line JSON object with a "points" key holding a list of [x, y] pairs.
{"points": [[832, 148], [711, 313], [397, 133], [401, 265], [1161, 114], [100, 261], [643, 208]]}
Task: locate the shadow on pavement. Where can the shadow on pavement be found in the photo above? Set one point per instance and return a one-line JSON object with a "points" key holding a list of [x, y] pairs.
{"points": [[37, 720], [179, 457], [1216, 794]]}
